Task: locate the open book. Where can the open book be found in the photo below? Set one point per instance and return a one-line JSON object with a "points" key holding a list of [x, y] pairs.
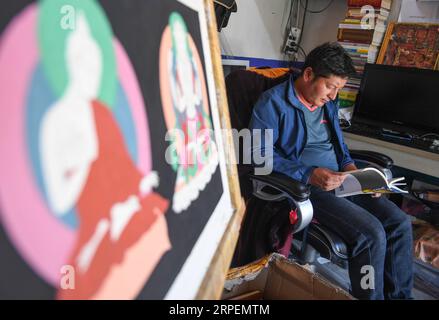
{"points": [[368, 180]]}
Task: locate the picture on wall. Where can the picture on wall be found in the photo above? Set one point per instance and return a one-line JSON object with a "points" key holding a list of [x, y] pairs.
{"points": [[413, 45], [113, 180]]}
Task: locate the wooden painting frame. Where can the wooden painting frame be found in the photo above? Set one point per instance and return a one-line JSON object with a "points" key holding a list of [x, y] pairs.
{"points": [[213, 282]]}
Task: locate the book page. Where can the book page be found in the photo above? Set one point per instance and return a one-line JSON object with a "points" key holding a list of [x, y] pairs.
{"points": [[370, 179], [350, 186], [362, 181]]}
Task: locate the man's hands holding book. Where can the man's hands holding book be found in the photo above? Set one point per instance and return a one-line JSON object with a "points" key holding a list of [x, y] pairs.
{"points": [[351, 167], [326, 179]]}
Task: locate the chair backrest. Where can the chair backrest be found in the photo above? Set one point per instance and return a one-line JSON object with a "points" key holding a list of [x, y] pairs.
{"points": [[266, 225], [244, 87]]}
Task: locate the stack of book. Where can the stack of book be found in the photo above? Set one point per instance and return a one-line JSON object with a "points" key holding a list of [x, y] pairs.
{"points": [[361, 34]]}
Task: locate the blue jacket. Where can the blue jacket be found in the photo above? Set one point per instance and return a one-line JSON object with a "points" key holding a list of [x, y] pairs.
{"points": [[277, 109]]}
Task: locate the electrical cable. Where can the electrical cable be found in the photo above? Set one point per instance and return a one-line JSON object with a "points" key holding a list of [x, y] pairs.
{"points": [[289, 16], [317, 11], [429, 134], [303, 21], [302, 50], [294, 55], [288, 24], [297, 47]]}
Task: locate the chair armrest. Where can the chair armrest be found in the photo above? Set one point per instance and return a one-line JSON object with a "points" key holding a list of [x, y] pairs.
{"points": [[372, 157], [281, 182], [283, 187]]}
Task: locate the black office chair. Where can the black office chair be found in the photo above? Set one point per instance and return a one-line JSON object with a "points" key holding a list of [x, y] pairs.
{"points": [[278, 206]]}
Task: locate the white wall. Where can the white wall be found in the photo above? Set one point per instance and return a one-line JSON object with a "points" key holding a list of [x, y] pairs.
{"points": [[322, 27], [419, 11], [256, 30]]}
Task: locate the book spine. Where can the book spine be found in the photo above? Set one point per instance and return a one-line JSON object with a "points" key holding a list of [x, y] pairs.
{"points": [[359, 36], [361, 3], [355, 26]]}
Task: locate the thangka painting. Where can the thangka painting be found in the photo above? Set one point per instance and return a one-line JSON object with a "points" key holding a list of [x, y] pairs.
{"points": [[112, 171], [411, 45]]}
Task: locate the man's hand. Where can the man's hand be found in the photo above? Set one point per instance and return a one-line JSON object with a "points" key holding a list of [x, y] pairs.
{"points": [[326, 179]]}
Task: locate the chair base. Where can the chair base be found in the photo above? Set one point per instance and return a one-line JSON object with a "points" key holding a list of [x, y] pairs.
{"points": [[335, 272]]}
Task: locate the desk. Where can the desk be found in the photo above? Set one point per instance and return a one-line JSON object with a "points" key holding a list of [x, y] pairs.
{"points": [[403, 156]]}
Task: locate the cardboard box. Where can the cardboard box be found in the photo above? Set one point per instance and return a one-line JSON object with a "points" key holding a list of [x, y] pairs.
{"points": [[277, 278]]}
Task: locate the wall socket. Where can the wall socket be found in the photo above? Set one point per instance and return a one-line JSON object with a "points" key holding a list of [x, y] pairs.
{"points": [[292, 41]]}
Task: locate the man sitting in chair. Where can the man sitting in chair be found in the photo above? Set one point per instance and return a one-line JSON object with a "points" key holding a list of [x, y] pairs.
{"points": [[308, 146]]}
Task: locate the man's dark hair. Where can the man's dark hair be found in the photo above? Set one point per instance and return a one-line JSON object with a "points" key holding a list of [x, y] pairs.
{"points": [[329, 59]]}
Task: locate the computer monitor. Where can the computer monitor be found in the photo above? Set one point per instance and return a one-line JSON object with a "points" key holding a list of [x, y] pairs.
{"points": [[399, 98]]}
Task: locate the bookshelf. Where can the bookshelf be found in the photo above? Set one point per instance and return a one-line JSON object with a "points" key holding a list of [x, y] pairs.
{"points": [[361, 33]]}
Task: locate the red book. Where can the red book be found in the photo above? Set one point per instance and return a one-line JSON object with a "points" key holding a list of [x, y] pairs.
{"points": [[360, 3]]}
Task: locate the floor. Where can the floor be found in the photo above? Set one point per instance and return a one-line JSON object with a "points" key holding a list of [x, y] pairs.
{"points": [[426, 278]]}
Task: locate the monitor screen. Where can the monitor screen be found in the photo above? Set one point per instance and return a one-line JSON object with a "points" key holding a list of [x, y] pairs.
{"points": [[399, 98]]}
